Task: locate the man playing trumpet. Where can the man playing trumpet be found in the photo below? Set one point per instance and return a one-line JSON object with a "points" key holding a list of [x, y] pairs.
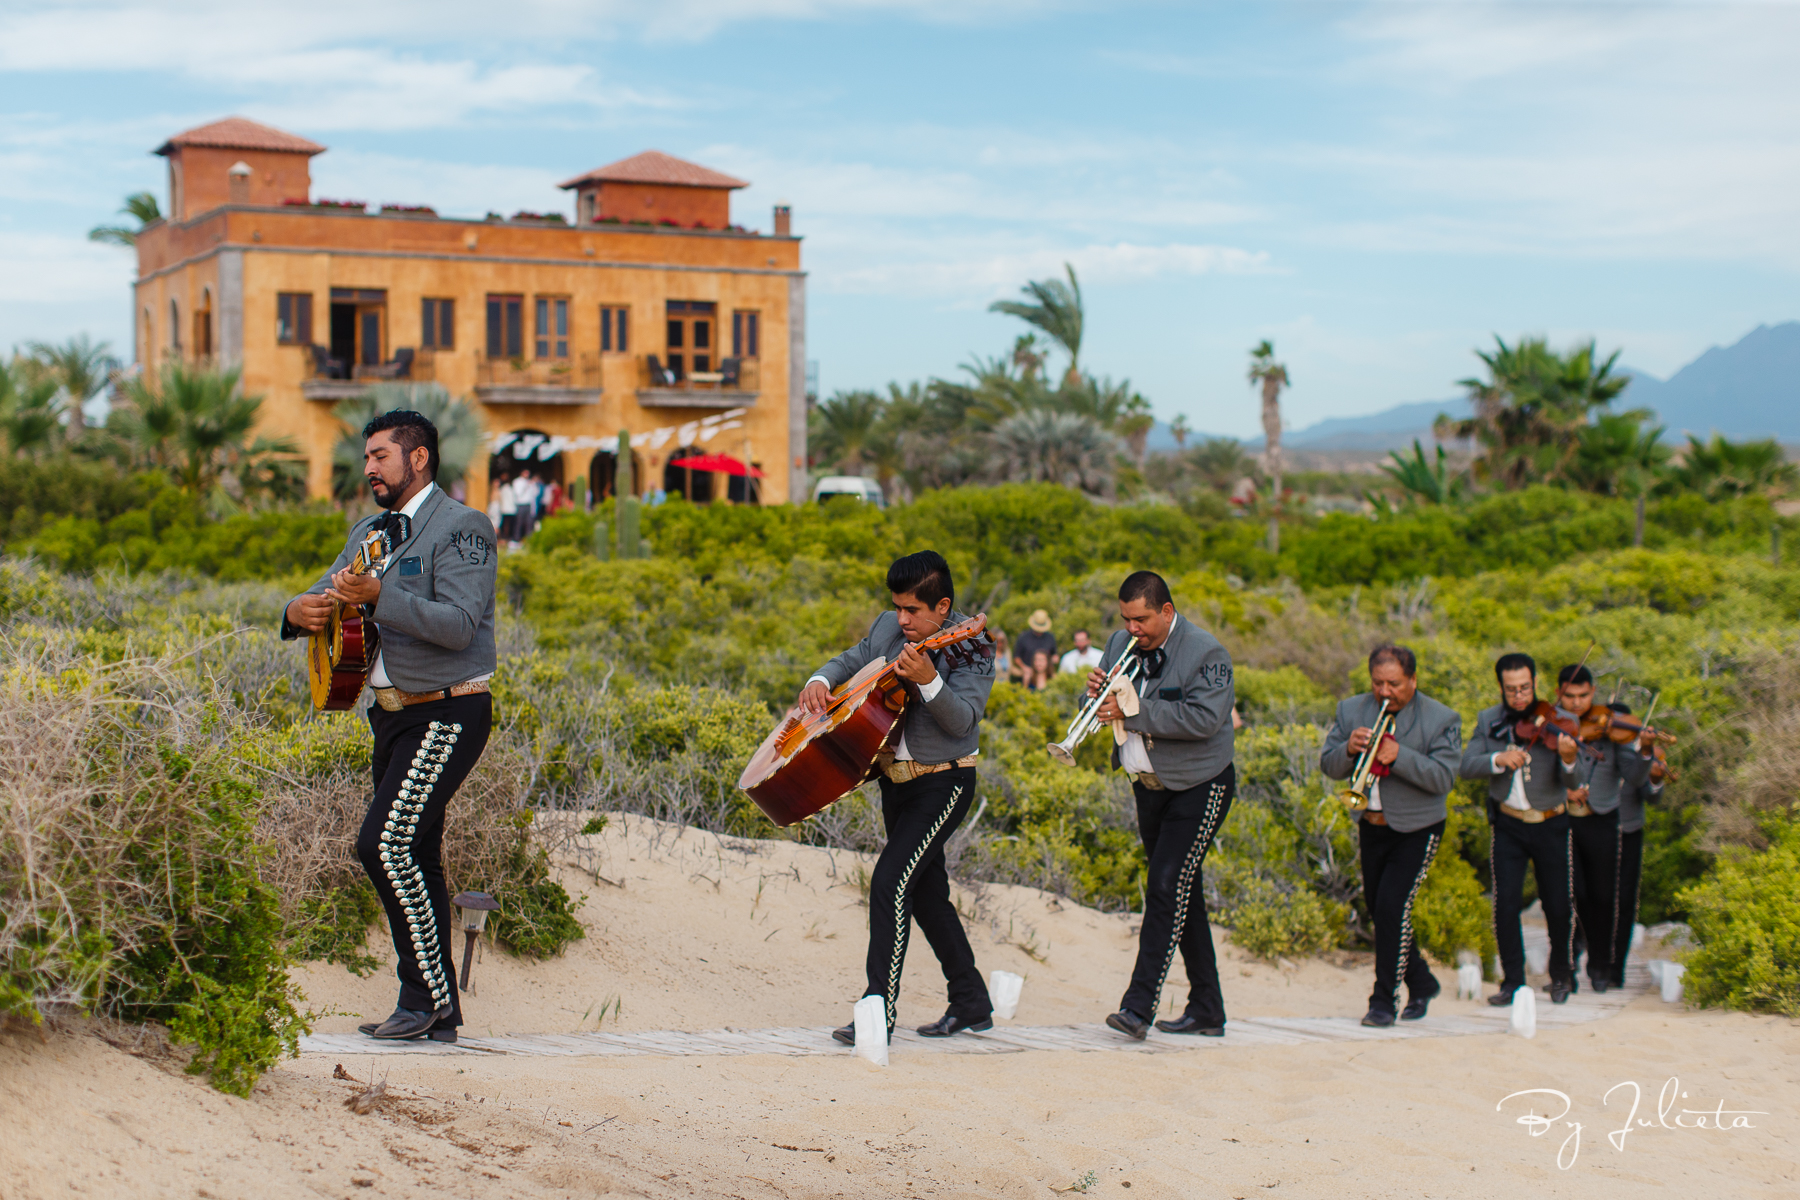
{"points": [[1178, 751], [1410, 771]]}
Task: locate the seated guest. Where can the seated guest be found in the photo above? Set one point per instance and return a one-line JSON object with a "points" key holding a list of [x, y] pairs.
{"points": [[1037, 638], [1084, 657]]}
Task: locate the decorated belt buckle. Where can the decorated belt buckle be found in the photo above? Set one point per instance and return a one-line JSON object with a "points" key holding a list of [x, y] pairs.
{"points": [[389, 699]]}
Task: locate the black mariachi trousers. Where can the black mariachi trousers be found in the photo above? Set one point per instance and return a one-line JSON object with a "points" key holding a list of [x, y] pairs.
{"points": [[911, 883], [1545, 846], [1394, 866], [1631, 871], [1594, 841], [422, 754], [1177, 829]]}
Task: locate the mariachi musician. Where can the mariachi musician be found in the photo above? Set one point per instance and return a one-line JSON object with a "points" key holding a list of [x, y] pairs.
{"points": [[926, 787], [433, 601], [1178, 751], [1595, 834], [1631, 857], [1401, 829], [1529, 823]]}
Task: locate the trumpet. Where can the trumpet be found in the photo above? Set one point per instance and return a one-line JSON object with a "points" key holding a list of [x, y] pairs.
{"points": [[1356, 796], [1129, 666]]}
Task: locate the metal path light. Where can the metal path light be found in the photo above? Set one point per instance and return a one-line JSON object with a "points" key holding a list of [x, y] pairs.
{"points": [[474, 908]]}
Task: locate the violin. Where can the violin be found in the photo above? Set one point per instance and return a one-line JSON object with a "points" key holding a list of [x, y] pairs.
{"points": [[1601, 722], [1543, 717]]}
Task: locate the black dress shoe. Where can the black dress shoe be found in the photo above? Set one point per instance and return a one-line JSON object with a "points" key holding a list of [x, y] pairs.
{"points": [[1129, 1024], [847, 1035], [1599, 986], [950, 1023], [1189, 1023], [1561, 990], [1417, 1003], [407, 1024], [1378, 1018], [369, 1027], [1504, 996]]}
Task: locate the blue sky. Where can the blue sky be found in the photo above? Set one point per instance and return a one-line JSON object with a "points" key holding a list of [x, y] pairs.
{"points": [[1378, 188]]}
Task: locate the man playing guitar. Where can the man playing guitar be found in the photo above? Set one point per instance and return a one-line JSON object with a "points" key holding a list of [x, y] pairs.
{"points": [[926, 787], [432, 597]]}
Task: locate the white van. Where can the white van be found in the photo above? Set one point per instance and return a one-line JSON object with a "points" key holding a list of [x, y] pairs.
{"points": [[850, 485]]}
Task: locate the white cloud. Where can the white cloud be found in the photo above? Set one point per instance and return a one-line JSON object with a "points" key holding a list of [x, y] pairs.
{"points": [[972, 272], [55, 269]]}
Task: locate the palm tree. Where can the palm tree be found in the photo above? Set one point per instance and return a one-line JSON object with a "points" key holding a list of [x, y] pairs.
{"points": [[1619, 456], [193, 423], [1273, 377], [1530, 411], [1057, 311], [1431, 483], [843, 427], [1719, 469], [141, 205], [1178, 428], [458, 426], [80, 366], [1052, 447], [1220, 462], [30, 408]]}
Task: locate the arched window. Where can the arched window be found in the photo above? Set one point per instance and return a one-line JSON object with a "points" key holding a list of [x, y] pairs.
{"points": [[175, 328], [147, 339], [203, 339]]}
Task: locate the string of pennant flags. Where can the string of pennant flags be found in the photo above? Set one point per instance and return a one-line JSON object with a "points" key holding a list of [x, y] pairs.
{"points": [[545, 447]]}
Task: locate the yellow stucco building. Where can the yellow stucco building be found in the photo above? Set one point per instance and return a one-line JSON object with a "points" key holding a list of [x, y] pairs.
{"points": [[649, 313]]}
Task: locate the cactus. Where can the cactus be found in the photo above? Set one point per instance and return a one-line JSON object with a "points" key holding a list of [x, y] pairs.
{"points": [[629, 543]]}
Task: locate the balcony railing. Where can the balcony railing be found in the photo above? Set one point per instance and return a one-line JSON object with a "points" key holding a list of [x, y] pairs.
{"points": [[737, 385], [538, 381]]}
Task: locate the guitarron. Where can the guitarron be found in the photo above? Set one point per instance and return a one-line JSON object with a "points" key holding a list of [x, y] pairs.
{"points": [[813, 760], [340, 656]]}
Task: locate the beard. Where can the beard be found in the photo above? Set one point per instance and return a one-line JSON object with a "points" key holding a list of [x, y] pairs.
{"points": [[394, 490]]}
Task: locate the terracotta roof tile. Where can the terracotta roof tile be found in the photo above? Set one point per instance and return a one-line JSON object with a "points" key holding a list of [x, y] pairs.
{"points": [[653, 166], [238, 133]]}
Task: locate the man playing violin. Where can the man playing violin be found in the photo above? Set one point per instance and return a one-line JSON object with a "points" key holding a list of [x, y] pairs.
{"points": [[1631, 858], [1178, 751], [1528, 819], [926, 784], [1401, 830], [1594, 818]]}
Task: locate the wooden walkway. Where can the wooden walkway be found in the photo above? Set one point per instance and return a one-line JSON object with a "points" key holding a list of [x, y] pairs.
{"points": [[1002, 1039]]}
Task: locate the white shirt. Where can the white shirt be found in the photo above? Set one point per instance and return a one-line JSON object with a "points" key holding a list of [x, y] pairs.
{"points": [[378, 676], [1516, 797], [1074, 660], [1134, 756], [927, 693]]}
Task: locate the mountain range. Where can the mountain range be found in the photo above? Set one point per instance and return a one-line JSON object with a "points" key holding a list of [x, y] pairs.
{"points": [[1750, 389]]}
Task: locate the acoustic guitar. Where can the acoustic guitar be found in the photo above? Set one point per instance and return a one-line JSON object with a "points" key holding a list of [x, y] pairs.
{"points": [[340, 656], [813, 760]]}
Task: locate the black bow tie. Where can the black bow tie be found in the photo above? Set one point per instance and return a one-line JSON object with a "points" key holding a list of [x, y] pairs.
{"points": [[395, 528], [1153, 661]]}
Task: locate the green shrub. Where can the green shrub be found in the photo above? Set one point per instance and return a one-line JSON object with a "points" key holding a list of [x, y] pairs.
{"points": [[334, 928], [1271, 925], [1746, 917]]}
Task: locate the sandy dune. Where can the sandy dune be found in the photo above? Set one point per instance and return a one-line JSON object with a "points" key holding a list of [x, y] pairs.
{"points": [[705, 934]]}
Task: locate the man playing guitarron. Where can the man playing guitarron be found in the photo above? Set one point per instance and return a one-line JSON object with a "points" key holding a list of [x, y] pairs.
{"points": [[432, 597], [926, 786]]}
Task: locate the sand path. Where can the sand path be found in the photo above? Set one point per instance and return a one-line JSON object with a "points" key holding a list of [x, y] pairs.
{"points": [[769, 938]]}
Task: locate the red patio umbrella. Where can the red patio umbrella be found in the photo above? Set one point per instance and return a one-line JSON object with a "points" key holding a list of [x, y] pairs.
{"points": [[716, 462]]}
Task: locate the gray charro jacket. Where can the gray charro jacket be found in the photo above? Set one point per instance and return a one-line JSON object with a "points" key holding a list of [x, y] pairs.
{"points": [[436, 608], [948, 726], [1617, 767], [1546, 783], [1430, 736], [1185, 712], [1631, 804]]}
